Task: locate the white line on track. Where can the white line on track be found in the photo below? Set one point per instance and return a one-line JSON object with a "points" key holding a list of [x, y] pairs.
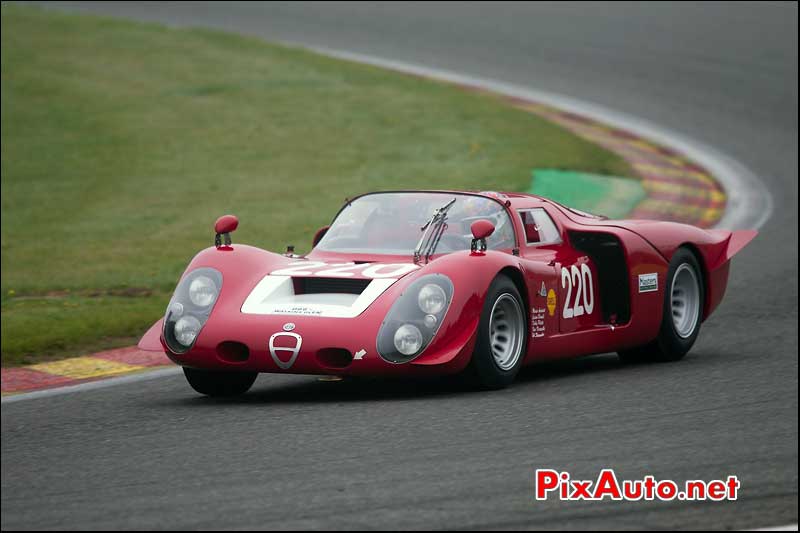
{"points": [[94, 385], [749, 202], [790, 527]]}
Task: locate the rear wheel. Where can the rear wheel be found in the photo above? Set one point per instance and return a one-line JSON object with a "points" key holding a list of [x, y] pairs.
{"points": [[502, 339], [684, 295], [219, 383]]}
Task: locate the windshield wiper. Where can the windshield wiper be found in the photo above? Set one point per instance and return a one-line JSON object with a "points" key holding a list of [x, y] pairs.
{"points": [[432, 232]]}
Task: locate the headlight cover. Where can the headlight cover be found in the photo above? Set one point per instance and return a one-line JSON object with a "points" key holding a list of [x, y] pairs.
{"points": [[431, 298], [190, 307], [203, 291], [413, 320]]}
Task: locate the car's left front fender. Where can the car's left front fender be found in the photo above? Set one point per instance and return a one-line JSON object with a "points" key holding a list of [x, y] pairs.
{"points": [[471, 274]]}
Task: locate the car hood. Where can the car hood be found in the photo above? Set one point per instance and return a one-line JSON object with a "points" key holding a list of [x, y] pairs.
{"points": [[315, 288]]}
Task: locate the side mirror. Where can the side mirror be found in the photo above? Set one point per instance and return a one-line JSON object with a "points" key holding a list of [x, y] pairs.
{"points": [[223, 227], [319, 235], [226, 224], [481, 229]]}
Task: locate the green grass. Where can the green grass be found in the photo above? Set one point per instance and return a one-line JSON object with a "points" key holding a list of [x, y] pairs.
{"points": [[122, 142]]}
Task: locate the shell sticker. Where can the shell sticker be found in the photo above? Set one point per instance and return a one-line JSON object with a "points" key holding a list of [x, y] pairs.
{"points": [[551, 302]]}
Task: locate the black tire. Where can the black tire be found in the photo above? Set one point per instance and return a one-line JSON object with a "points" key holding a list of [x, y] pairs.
{"points": [[219, 383], [483, 367], [670, 345]]}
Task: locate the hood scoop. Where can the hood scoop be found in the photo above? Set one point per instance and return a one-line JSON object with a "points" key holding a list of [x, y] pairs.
{"points": [[318, 285], [314, 296]]}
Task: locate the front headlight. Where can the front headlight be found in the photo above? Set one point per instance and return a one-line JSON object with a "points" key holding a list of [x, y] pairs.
{"points": [[186, 330], [414, 318], [408, 339], [190, 307], [431, 298], [202, 291]]}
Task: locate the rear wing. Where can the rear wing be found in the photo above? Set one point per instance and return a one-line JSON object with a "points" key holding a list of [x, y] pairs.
{"points": [[732, 243], [718, 256]]}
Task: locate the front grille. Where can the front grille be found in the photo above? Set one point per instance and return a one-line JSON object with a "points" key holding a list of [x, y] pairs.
{"points": [[329, 285]]}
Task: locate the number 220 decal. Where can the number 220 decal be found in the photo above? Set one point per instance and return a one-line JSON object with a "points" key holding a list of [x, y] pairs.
{"points": [[581, 279]]}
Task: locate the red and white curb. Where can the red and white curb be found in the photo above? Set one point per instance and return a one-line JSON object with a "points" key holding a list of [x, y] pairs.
{"points": [[77, 370], [676, 188]]}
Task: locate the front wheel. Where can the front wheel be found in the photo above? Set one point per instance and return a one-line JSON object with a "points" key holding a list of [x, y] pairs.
{"points": [[501, 342], [219, 383], [684, 295]]}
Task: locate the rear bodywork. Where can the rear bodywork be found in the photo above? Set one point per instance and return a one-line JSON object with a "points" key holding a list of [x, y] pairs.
{"points": [[321, 313]]}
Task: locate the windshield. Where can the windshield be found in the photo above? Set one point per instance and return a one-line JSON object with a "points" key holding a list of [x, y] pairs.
{"points": [[391, 223]]}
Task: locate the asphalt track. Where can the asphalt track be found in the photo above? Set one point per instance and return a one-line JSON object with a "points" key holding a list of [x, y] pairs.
{"points": [[298, 453]]}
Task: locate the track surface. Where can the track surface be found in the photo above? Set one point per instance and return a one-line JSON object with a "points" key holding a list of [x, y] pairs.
{"points": [[300, 453]]}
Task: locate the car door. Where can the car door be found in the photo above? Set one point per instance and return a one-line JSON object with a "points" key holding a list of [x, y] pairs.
{"points": [[539, 246], [576, 307]]}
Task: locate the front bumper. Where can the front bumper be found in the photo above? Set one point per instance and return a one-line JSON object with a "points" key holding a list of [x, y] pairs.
{"points": [[315, 345]]}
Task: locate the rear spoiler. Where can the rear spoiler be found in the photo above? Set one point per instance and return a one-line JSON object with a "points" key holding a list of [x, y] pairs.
{"points": [[733, 242]]}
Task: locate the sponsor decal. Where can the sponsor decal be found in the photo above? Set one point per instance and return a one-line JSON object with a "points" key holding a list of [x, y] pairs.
{"points": [[537, 322], [551, 302], [289, 326], [293, 350], [297, 310], [359, 355], [648, 282], [543, 291]]}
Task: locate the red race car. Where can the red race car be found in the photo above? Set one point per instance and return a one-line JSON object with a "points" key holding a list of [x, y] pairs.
{"points": [[440, 282]]}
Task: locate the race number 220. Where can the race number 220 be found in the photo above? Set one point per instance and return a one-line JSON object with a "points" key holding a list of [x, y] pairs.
{"points": [[581, 280]]}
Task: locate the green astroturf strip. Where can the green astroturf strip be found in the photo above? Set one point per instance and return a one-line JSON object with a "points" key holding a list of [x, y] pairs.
{"points": [[611, 196]]}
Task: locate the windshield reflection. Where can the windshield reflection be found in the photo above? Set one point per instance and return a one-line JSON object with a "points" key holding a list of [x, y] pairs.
{"points": [[391, 223]]}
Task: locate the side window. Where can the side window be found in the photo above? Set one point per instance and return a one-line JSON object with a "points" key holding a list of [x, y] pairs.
{"points": [[539, 227]]}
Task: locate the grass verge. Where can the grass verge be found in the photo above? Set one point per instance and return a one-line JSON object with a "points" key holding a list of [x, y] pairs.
{"points": [[123, 141]]}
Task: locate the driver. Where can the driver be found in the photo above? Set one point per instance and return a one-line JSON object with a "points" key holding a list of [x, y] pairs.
{"points": [[388, 226], [476, 208]]}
